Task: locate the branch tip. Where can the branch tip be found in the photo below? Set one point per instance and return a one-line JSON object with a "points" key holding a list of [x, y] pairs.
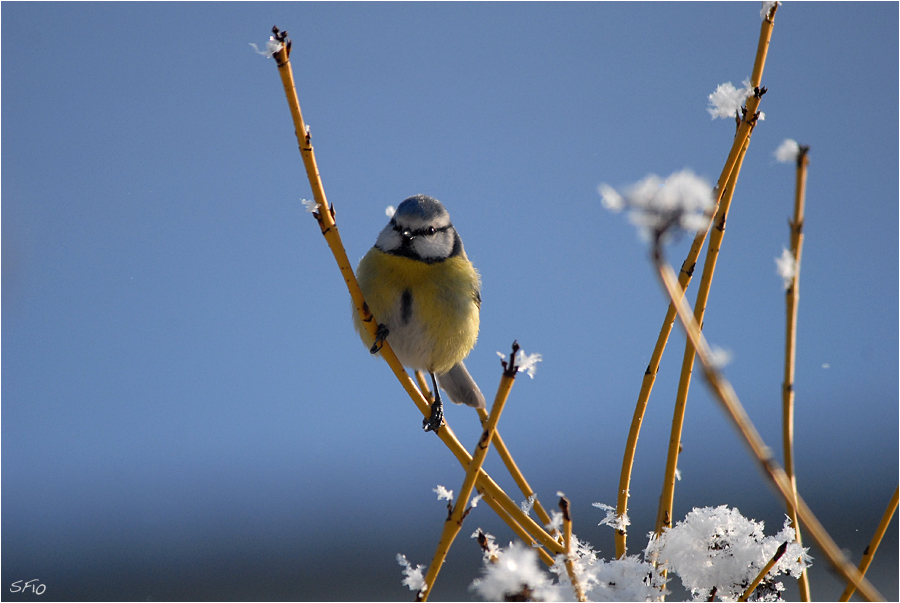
{"points": [[564, 507], [509, 368]]}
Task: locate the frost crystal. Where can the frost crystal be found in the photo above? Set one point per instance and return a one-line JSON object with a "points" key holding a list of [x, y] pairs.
{"points": [[766, 7], [515, 576], [389, 211], [528, 504], [788, 151], [727, 100], [272, 46], [719, 357], [556, 521], [616, 522], [719, 548], [443, 493], [611, 200], [311, 206], [412, 578], [626, 579], [713, 548], [490, 548], [786, 267], [525, 363], [681, 200]]}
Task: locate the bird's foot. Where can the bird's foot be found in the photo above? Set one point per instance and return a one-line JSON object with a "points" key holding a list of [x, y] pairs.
{"points": [[436, 419], [380, 336]]}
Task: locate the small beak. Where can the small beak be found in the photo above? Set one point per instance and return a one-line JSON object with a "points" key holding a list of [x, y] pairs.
{"points": [[407, 234]]}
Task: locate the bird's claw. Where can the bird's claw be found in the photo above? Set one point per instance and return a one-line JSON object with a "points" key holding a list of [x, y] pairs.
{"points": [[436, 419], [380, 336]]}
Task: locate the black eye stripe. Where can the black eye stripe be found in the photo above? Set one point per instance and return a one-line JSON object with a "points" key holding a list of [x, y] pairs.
{"points": [[428, 230]]}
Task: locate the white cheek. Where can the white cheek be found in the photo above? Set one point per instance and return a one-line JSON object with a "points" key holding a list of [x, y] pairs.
{"points": [[434, 247], [388, 240]]}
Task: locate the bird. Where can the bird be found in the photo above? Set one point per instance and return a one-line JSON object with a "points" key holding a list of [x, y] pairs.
{"points": [[426, 296]]}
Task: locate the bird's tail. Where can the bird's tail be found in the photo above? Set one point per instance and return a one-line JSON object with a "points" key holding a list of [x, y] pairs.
{"points": [[460, 386]]}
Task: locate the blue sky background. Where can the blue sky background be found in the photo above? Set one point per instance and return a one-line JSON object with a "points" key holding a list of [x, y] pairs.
{"points": [[187, 412]]}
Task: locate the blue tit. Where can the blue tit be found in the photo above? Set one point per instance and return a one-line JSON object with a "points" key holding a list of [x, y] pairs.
{"points": [[425, 294]]}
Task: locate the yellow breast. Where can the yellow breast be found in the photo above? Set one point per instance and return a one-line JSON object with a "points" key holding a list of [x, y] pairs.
{"points": [[430, 310]]}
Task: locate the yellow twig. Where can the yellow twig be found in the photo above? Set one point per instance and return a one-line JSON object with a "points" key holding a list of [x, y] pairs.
{"points": [[494, 491], [684, 278], [495, 495], [454, 522], [505, 455], [765, 570], [570, 554], [792, 296], [762, 47], [869, 553], [423, 386], [325, 213], [489, 500], [735, 410]]}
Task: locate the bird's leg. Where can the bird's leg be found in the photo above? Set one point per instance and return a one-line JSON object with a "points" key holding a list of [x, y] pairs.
{"points": [[380, 335], [437, 409]]}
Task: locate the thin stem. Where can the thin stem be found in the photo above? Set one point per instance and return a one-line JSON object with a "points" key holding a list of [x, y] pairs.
{"points": [[454, 522], [735, 411], [687, 269], [869, 553], [492, 489], [765, 570], [792, 296], [570, 555], [423, 386], [762, 47]]}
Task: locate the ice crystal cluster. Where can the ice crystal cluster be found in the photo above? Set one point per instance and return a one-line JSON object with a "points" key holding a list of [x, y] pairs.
{"points": [[412, 576], [786, 267], [443, 493], [718, 548], [682, 200], [516, 575], [766, 7], [616, 522], [272, 46], [525, 363], [726, 101], [787, 151], [715, 551]]}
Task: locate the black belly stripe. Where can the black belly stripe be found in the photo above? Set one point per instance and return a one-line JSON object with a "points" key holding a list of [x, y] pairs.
{"points": [[406, 306]]}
